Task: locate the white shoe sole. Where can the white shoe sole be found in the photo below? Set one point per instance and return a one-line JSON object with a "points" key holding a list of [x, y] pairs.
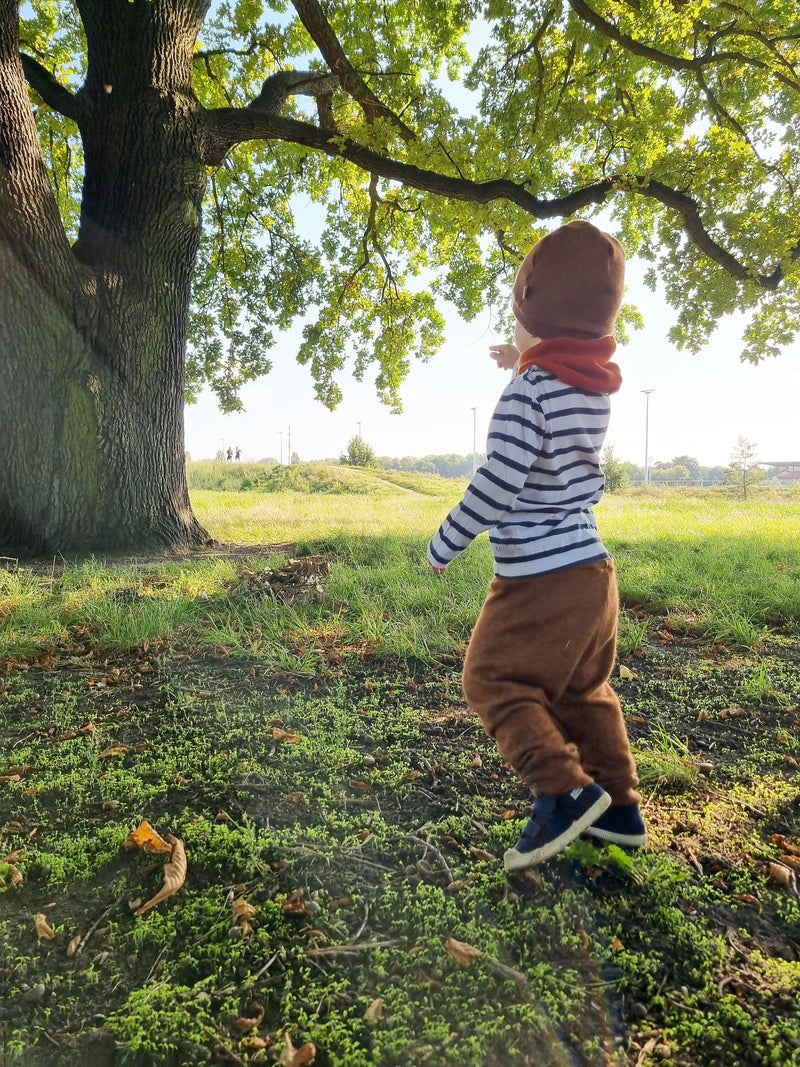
{"points": [[517, 861], [631, 840]]}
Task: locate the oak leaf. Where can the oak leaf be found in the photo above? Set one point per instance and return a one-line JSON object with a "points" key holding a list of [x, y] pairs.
{"points": [[285, 736], [462, 952], [174, 875], [245, 1023], [780, 873], [243, 912], [145, 837], [297, 1057], [43, 927], [374, 1012], [74, 945]]}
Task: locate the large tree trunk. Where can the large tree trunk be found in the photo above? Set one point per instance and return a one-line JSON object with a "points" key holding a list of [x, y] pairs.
{"points": [[93, 338]]}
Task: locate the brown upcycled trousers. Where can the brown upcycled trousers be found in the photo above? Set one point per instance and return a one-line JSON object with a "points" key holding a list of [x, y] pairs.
{"points": [[536, 673]]}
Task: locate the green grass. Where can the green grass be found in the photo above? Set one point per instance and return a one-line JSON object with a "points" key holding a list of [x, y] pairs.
{"points": [[709, 564]]}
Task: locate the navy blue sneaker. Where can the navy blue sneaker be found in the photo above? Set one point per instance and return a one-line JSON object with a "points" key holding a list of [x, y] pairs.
{"points": [[556, 821], [621, 824]]}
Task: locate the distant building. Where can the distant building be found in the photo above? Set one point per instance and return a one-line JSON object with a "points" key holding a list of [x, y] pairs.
{"points": [[786, 472]]}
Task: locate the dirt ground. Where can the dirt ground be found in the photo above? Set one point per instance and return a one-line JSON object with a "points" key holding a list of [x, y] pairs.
{"points": [[675, 687]]}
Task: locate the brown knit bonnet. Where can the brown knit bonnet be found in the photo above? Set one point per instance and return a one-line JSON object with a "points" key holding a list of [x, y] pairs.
{"points": [[570, 283]]}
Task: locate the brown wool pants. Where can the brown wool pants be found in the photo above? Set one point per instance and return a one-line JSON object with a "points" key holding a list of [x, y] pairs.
{"points": [[536, 673]]}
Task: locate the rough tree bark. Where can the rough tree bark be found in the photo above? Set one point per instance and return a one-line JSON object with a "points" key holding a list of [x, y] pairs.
{"points": [[93, 337]]}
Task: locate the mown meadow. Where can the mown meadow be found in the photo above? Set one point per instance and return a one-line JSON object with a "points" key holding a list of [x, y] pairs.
{"points": [[287, 705]]}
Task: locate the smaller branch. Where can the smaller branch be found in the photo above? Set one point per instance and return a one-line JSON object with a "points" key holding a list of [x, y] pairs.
{"points": [[322, 34], [52, 92]]}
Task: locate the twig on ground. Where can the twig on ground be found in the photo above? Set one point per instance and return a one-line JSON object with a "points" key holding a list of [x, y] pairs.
{"points": [[427, 845], [96, 923]]}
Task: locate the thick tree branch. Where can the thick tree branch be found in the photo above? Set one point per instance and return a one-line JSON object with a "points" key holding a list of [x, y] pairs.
{"points": [[229, 126], [323, 36], [54, 94], [688, 208], [277, 89]]}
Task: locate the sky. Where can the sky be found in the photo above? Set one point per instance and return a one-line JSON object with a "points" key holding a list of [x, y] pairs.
{"points": [[700, 405]]}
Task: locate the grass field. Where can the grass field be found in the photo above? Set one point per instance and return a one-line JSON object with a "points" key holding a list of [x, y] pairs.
{"points": [[288, 706]]}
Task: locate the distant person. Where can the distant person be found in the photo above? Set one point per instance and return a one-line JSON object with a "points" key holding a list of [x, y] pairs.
{"points": [[538, 663], [229, 454], [238, 454]]}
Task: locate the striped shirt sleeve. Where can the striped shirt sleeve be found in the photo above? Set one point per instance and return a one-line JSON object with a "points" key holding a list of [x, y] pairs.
{"points": [[516, 437]]}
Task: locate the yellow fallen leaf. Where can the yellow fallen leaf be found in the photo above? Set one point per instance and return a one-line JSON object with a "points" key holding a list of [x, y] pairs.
{"points": [[145, 837], [625, 672], [475, 762], [43, 927], [74, 945], [462, 952], [174, 875]]}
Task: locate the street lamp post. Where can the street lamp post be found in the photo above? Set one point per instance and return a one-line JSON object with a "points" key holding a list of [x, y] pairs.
{"points": [[280, 434], [647, 393], [474, 416]]}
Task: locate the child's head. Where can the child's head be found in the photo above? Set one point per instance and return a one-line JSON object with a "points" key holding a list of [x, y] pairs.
{"points": [[570, 283]]}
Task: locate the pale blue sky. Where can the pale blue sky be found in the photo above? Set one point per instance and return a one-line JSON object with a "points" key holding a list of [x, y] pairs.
{"points": [[700, 406]]}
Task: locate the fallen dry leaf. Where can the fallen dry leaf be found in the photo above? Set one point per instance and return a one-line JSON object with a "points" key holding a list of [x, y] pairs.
{"points": [[458, 883], [374, 1012], [174, 875], [245, 1023], [475, 762], [482, 854], [625, 672], [285, 736], [74, 945], [253, 1043], [462, 952], [243, 912], [115, 750], [15, 877], [297, 1057], [785, 844], [780, 873], [145, 837], [43, 927]]}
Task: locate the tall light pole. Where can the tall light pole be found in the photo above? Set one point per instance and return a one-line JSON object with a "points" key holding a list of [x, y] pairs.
{"points": [[289, 447], [474, 416], [358, 424], [647, 393], [280, 434]]}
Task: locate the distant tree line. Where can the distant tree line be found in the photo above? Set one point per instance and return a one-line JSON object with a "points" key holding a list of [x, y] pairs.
{"points": [[447, 466]]}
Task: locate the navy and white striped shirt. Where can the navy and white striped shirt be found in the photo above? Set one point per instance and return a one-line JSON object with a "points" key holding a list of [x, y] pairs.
{"points": [[541, 478]]}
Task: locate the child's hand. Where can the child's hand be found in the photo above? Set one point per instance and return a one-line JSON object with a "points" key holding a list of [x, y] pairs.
{"points": [[437, 570], [505, 356]]}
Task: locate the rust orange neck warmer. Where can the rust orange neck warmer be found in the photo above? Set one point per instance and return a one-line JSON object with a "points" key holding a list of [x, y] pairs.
{"points": [[585, 364]]}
